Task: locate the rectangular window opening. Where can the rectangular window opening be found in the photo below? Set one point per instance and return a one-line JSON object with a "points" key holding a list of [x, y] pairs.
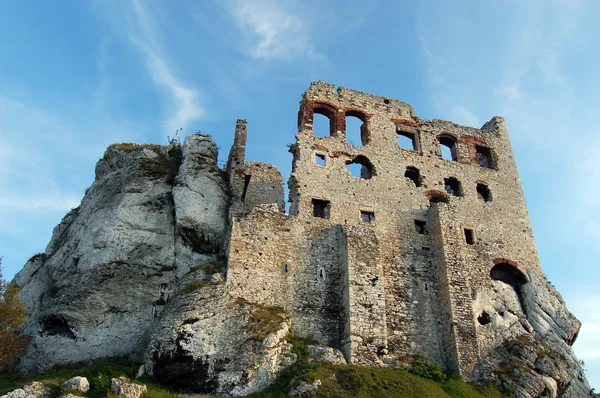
{"points": [[320, 159], [320, 208], [407, 140], [367, 216], [246, 183], [484, 157], [421, 227], [469, 236]]}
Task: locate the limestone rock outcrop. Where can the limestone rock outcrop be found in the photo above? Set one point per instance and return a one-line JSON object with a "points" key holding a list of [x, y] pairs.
{"points": [[208, 342], [113, 262], [527, 339]]}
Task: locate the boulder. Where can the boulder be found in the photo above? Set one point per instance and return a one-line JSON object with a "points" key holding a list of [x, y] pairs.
{"points": [[330, 355], [208, 342], [77, 383], [124, 388], [303, 387], [33, 390]]}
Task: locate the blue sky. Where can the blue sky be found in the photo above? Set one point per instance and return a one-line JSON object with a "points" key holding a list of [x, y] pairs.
{"points": [[77, 76]]}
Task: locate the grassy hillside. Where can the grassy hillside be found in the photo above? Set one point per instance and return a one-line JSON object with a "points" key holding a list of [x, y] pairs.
{"points": [[337, 381]]}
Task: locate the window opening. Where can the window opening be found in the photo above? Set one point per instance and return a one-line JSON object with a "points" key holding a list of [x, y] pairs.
{"points": [[448, 147], [484, 157], [437, 197], [321, 273], [469, 236], [453, 186], [484, 193], [484, 318], [367, 216], [246, 183], [361, 167], [320, 208], [354, 127], [413, 174], [321, 125], [421, 227], [320, 159], [510, 275], [407, 140]]}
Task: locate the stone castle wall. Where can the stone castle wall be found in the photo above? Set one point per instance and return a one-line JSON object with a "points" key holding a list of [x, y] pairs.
{"points": [[380, 266]]}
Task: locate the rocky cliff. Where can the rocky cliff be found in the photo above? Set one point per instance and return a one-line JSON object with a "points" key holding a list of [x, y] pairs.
{"points": [[139, 269]]}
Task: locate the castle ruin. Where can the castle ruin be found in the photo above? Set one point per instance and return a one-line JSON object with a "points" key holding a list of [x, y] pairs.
{"points": [[399, 260]]}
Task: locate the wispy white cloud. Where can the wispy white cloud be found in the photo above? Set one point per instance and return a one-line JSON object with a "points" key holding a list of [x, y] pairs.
{"points": [[465, 116], [46, 202], [184, 105], [275, 32]]}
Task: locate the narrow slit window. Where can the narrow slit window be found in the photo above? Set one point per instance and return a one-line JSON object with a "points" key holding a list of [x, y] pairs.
{"points": [[448, 147], [421, 227], [484, 193], [367, 216], [320, 159], [320, 208], [469, 236], [484, 157], [246, 183], [321, 273]]}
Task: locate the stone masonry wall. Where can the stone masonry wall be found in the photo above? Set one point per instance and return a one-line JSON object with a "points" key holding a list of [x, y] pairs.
{"points": [[429, 273]]}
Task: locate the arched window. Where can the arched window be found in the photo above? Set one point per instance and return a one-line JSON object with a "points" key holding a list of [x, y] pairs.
{"points": [[356, 128], [448, 147], [453, 186], [323, 120], [413, 174], [505, 271], [436, 196], [361, 167]]}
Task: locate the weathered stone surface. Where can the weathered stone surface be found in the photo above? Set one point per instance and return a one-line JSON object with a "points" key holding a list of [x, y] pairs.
{"points": [[419, 255], [325, 354], [112, 262], [527, 341], [77, 383], [209, 343], [33, 390], [303, 387], [124, 388]]}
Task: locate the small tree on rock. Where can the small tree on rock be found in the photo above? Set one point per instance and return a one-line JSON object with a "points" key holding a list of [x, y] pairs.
{"points": [[12, 314]]}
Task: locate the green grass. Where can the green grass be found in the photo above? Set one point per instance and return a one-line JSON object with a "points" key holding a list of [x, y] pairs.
{"points": [[358, 381], [192, 286], [337, 381], [264, 320]]}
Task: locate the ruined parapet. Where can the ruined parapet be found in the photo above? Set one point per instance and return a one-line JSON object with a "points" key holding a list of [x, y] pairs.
{"points": [[252, 183]]}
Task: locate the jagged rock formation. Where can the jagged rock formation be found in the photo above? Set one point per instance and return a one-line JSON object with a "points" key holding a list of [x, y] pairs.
{"points": [[114, 261], [199, 273]]}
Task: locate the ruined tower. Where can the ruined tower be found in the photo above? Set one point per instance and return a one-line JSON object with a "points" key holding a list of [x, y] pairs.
{"points": [[399, 259]]}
